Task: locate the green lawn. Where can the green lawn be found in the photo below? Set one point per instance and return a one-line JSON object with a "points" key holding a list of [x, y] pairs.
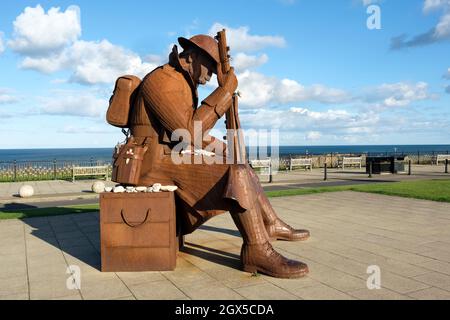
{"points": [[435, 190], [40, 212]]}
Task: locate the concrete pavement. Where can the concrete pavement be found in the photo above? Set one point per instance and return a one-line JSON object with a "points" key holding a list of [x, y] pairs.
{"points": [[408, 240]]}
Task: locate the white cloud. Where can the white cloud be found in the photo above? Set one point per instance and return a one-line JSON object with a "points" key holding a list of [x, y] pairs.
{"points": [[343, 125], [49, 43], [329, 115], [313, 125], [4, 99], [82, 104], [2, 46], [242, 61], [39, 33], [430, 5], [440, 32], [313, 135], [6, 96], [259, 90], [92, 62], [47, 64], [103, 62], [292, 91], [239, 38], [154, 59], [398, 94], [369, 2]]}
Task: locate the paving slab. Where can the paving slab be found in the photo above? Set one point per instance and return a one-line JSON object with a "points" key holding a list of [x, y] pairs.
{"points": [[430, 294], [157, 290], [322, 292], [104, 289], [266, 291], [406, 238]]}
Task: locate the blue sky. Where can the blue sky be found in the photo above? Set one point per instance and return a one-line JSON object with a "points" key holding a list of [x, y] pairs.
{"points": [[311, 69]]}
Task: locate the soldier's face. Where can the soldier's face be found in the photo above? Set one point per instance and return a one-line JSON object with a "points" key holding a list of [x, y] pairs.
{"points": [[203, 69]]}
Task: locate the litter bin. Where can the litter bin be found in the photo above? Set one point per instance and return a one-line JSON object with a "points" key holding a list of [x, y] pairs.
{"points": [[385, 164]]}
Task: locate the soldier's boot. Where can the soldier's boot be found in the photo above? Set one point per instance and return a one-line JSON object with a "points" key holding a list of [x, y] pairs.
{"points": [[275, 227], [257, 254]]}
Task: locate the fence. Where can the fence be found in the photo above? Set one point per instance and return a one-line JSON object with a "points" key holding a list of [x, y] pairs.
{"points": [[416, 157], [11, 171], [318, 161], [332, 159]]}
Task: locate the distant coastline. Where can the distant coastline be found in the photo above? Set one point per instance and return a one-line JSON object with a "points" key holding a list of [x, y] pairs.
{"points": [[105, 154]]}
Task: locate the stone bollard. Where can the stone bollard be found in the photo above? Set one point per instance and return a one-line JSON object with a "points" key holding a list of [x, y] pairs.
{"points": [[98, 187], [26, 191]]}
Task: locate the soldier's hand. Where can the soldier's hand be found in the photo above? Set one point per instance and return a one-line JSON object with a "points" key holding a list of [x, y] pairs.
{"points": [[228, 81]]}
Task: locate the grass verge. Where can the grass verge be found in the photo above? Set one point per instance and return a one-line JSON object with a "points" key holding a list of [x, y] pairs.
{"points": [[40, 212], [435, 190]]}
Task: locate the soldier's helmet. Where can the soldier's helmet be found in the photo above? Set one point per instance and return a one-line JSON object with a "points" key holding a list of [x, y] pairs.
{"points": [[203, 42]]}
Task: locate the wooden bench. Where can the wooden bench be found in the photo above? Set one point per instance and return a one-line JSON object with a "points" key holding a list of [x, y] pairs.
{"points": [[351, 161], [442, 157], [300, 162], [265, 164], [89, 171], [260, 163]]}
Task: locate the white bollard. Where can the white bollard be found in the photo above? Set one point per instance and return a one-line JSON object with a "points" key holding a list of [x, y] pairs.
{"points": [[26, 191], [98, 187]]}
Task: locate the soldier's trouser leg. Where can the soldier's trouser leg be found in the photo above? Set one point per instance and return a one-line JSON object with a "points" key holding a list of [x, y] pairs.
{"points": [[257, 254], [276, 228]]}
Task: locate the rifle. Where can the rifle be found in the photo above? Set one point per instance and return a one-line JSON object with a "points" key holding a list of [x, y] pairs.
{"points": [[236, 143]]}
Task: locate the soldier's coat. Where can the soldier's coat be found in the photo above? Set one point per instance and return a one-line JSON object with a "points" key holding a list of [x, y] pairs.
{"points": [[167, 100]]}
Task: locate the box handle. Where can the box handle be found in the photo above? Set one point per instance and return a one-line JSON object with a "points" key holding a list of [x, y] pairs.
{"points": [[134, 225]]}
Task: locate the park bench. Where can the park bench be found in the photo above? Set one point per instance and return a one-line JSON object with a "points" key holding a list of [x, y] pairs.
{"points": [[89, 171], [260, 163], [300, 162], [265, 164], [351, 161], [442, 157]]}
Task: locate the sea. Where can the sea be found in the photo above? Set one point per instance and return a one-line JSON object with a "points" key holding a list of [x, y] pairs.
{"points": [[105, 154]]}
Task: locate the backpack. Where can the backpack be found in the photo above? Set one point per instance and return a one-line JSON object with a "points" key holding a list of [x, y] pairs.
{"points": [[127, 162], [127, 156], [121, 100]]}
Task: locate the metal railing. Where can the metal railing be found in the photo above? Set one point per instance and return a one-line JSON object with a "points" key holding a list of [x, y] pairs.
{"points": [[12, 171], [333, 159]]}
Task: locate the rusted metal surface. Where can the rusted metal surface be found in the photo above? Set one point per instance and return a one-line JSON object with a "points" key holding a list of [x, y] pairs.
{"points": [[138, 231], [208, 185]]}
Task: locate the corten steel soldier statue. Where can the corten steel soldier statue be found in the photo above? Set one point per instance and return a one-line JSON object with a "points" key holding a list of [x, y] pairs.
{"points": [[167, 100]]}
